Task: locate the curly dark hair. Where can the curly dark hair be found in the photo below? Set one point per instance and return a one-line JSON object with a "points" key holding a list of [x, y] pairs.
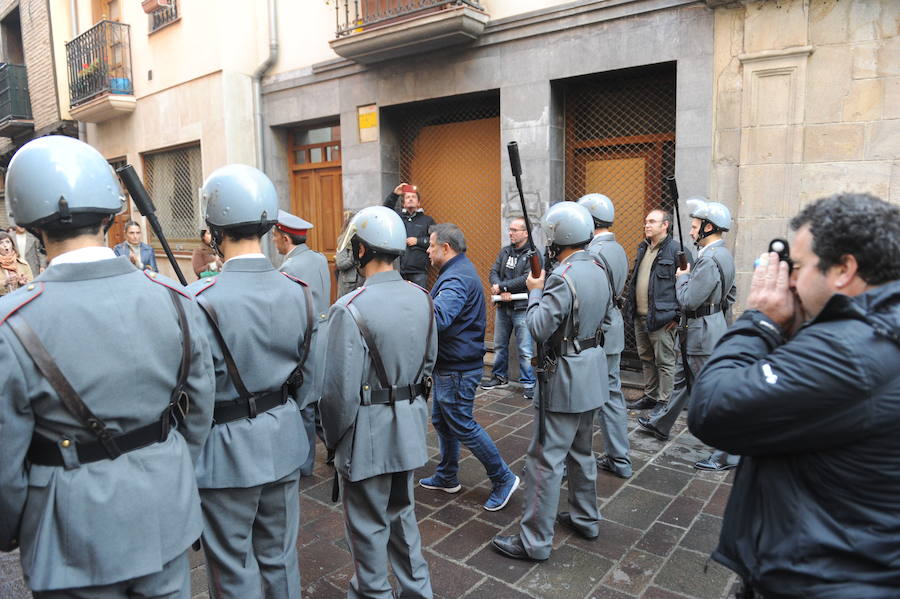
{"points": [[858, 224]]}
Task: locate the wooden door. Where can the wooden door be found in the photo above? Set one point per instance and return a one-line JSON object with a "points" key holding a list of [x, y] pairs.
{"points": [[457, 169], [318, 198]]}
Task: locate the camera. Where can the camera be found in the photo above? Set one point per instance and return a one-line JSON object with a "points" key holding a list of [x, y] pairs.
{"points": [[780, 247]]}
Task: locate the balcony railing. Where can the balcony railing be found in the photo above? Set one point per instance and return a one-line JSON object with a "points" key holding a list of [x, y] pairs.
{"points": [[162, 17], [354, 16], [99, 62], [14, 101]]}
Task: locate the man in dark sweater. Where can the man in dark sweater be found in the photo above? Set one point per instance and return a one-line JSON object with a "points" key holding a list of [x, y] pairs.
{"points": [[414, 262], [460, 317], [508, 277]]}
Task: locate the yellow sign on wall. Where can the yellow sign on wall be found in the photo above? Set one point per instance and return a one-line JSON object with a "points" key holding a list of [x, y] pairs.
{"points": [[368, 122]]}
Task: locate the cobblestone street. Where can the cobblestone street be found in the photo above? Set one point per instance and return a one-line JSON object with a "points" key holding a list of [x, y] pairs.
{"points": [[659, 527]]}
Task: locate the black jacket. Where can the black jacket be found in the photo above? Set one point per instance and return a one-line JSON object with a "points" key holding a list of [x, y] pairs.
{"points": [[509, 273], [414, 260], [662, 304], [815, 507]]}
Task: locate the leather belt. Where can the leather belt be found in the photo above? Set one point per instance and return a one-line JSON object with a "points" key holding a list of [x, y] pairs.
{"points": [[576, 346], [396, 393], [250, 407], [45, 452], [704, 311]]}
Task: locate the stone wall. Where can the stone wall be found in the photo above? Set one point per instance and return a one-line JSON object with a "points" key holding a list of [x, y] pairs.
{"points": [[807, 103]]}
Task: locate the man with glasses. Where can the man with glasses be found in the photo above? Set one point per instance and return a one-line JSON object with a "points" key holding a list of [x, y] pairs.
{"points": [[508, 277]]}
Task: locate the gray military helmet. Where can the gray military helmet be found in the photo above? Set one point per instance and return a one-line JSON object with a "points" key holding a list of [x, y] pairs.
{"points": [[59, 182], [378, 227], [714, 212], [600, 207], [568, 223], [238, 195]]}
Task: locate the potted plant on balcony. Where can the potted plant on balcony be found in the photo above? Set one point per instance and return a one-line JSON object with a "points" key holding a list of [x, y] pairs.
{"points": [[150, 6]]}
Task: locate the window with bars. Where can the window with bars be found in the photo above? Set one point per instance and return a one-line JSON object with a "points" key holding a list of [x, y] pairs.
{"points": [[173, 179], [4, 214], [163, 16]]}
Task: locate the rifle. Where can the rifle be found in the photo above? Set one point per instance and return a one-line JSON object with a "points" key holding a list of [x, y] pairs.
{"points": [[681, 257], [145, 206], [543, 363]]}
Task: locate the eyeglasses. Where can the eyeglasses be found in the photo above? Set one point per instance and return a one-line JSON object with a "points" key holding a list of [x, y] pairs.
{"points": [[511, 230]]}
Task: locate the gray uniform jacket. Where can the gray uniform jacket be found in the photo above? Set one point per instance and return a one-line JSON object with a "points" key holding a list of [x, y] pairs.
{"points": [[701, 287], [377, 439], [573, 386], [312, 268], [607, 251], [262, 316], [110, 520]]}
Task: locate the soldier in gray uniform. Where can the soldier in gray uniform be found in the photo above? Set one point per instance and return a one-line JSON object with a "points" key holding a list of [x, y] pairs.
{"points": [[611, 256], [566, 318], [706, 293], [312, 268], [374, 408], [97, 472], [261, 328]]}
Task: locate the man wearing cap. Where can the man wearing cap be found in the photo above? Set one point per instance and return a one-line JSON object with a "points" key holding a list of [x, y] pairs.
{"points": [[705, 292], [261, 325], [413, 262], [101, 418], [311, 267]]}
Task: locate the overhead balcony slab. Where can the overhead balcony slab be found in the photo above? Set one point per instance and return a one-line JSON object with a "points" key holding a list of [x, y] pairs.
{"points": [[13, 127], [103, 108], [450, 27]]}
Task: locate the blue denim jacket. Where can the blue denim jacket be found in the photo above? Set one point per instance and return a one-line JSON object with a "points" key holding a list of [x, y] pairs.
{"points": [[460, 315]]}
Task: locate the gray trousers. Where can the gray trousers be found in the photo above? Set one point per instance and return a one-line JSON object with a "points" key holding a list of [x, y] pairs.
{"points": [[613, 417], [657, 352], [665, 418], [381, 527], [567, 441], [172, 582], [250, 540]]}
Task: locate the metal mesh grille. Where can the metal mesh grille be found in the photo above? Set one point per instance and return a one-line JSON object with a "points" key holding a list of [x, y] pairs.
{"points": [[451, 150], [173, 179], [620, 141], [4, 214]]}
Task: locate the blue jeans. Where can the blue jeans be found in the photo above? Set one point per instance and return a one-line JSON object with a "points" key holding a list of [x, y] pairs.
{"points": [[451, 415], [507, 321]]}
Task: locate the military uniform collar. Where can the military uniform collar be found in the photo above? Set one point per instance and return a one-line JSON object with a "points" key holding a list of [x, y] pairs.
{"points": [[383, 277], [715, 243], [248, 265], [79, 271], [607, 236], [577, 257], [299, 249]]}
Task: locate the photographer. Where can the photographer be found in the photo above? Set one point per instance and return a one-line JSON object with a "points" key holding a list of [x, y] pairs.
{"points": [[804, 387], [414, 261]]}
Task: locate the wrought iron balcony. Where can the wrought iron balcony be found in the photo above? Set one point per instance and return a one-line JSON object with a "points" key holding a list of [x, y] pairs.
{"points": [[374, 30], [15, 104], [99, 66]]}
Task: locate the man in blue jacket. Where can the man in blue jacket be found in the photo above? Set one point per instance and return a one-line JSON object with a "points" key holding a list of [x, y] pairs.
{"points": [[460, 317], [814, 409]]}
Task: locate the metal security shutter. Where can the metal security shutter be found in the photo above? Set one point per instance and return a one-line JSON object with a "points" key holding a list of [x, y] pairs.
{"points": [[620, 141]]}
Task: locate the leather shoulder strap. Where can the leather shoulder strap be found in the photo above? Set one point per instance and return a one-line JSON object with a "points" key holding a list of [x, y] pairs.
{"points": [[295, 379], [428, 336], [67, 394], [185, 366], [233, 372], [380, 371]]}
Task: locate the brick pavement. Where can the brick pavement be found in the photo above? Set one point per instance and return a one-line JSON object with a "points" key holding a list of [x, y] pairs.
{"points": [[658, 528]]}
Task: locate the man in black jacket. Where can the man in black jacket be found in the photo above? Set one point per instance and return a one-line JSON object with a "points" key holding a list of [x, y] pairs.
{"points": [[805, 387], [414, 262], [508, 277], [654, 309]]}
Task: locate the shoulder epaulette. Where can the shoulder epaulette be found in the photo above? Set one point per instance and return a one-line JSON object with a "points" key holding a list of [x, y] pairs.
{"points": [[355, 295], [209, 283], [153, 276], [32, 290], [295, 279], [565, 270], [418, 286]]}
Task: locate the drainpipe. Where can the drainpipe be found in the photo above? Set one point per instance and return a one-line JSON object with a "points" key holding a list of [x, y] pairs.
{"points": [[258, 74], [73, 32]]}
